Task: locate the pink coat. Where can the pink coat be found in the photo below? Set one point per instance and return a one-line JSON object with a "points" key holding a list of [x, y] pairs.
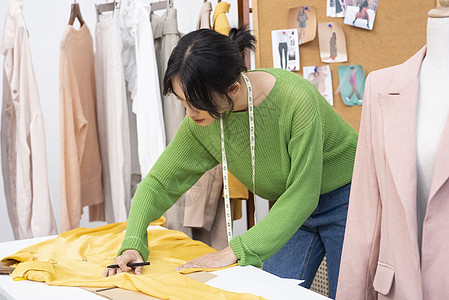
{"points": [[380, 257]]}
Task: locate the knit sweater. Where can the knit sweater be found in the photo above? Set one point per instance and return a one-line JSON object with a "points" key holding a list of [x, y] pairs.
{"points": [[303, 148]]}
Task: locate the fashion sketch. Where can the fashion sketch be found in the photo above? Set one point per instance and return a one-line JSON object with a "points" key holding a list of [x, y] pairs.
{"points": [[282, 38], [363, 13], [332, 42], [353, 83], [359, 11], [336, 8], [285, 49], [319, 76], [302, 18]]}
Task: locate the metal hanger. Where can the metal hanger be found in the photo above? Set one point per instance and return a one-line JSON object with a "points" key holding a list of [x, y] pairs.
{"points": [[75, 13]]}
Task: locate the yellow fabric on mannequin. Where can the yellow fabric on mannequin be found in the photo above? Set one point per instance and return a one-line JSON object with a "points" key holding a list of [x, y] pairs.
{"points": [[238, 192], [79, 257], [220, 22]]}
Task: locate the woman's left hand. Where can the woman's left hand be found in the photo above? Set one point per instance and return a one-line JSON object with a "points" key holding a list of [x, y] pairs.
{"points": [[218, 259]]}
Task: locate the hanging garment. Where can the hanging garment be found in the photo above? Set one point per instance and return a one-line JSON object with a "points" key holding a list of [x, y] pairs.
{"points": [[216, 236], [203, 198], [204, 16], [166, 37], [113, 122], [24, 155], [381, 258], [142, 78], [81, 183], [79, 257], [174, 111], [220, 22]]}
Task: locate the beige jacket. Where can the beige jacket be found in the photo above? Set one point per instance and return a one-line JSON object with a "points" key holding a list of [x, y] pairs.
{"points": [[204, 16], [380, 257], [24, 156], [81, 182]]}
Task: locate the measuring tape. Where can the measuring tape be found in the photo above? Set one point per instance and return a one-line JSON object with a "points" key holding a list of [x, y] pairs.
{"points": [[224, 162]]}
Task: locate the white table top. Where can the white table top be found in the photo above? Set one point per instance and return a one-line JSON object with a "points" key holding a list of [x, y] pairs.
{"points": [[237, 279]]}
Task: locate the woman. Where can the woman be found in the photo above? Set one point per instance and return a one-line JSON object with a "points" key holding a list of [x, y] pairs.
{"points": [[303, 149]]}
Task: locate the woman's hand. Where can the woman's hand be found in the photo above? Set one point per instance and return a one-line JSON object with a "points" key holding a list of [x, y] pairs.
{"points": [[218, 259], [128, 256]]}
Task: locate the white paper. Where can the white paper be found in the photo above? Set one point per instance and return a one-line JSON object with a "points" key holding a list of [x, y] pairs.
{"points": [[285, 49]]}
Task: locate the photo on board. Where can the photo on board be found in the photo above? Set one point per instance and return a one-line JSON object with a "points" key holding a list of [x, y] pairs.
{"points": [[336, 8], [361, 13], [332, 42], [352, 84], [321, 77], [285, 49], [303, 18]]}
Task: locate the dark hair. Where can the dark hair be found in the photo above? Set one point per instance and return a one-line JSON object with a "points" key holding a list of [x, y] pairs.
{"points": [[207, 62]]}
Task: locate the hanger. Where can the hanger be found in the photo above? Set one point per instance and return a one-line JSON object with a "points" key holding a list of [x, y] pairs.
{"points": [[108, 6], [105, 7], [75, 13], [161, 5]]}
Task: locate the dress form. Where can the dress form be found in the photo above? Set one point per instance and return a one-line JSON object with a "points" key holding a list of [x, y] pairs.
{"points": [[433, 104]]}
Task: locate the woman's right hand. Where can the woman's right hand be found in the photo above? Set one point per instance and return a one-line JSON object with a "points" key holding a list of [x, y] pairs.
{"points": [[128, 256]]}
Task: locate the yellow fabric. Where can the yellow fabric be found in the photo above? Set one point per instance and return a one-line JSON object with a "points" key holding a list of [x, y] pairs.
{"points": [[220, 22], [237, 209], [79, 257], [160, 221]]}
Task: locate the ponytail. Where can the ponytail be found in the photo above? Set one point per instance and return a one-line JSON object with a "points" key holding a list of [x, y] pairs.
{"points": [[242, 38]]}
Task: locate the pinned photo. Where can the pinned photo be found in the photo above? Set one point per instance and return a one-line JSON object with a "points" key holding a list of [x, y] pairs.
{"points": [[332, 42], [285, 49], [352, 84], [361, 13], [336, 8], [304, 18], [321, 77]]}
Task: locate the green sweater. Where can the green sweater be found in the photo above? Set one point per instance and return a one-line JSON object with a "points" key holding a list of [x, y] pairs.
{"points": [[303, 149]]}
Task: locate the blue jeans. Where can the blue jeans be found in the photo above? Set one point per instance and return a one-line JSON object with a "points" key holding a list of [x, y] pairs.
{"points": [[321, 233]]}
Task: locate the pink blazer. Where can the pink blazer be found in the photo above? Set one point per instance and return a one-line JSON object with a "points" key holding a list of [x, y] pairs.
{"points": [[380, 257]]}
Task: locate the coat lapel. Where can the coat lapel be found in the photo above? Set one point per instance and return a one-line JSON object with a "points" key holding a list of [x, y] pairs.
{"points": [[399, 130], [398, 105]]}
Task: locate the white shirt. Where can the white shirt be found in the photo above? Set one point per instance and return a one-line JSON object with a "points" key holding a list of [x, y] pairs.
{"points": [[141, 74]]}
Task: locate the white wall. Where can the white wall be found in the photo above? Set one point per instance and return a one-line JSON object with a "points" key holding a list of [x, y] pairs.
{"points": [[46, 20]]}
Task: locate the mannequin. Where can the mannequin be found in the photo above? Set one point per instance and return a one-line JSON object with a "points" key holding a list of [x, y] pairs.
{"points": [[432, 105]]}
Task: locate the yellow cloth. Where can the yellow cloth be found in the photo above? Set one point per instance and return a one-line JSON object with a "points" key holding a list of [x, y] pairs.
{"points": [[79, 257], [237, 191], [220, 22]]}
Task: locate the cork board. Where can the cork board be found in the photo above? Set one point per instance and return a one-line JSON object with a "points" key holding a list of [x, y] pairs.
{"points": [[399, 32]]}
